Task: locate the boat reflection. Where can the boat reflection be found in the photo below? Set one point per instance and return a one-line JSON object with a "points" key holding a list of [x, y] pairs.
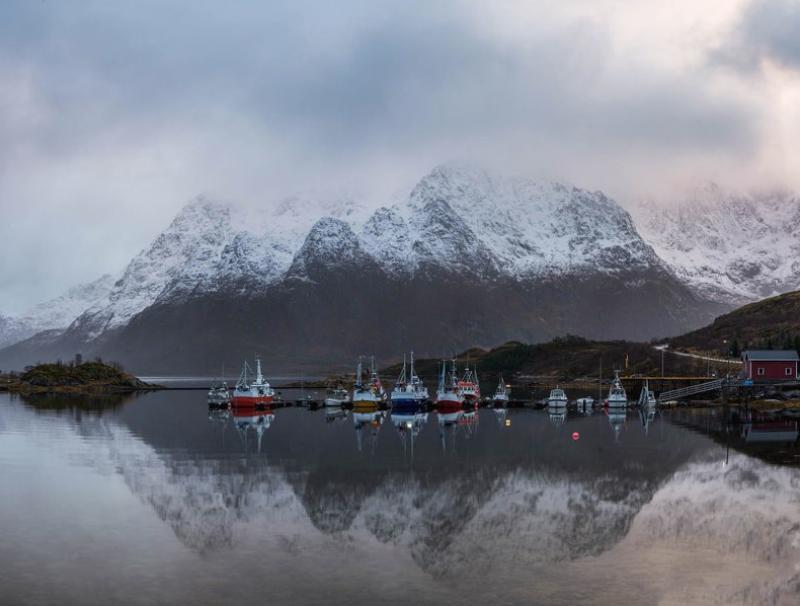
{"points": [[409, 421], [501, 416], [335, 414], [616, 419], [557, 414], [257, 418], [646, 415], [367, 418]]}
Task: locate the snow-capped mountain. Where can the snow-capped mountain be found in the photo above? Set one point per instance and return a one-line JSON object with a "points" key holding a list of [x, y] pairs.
{"points": [[477, 258], [733, 248], [56, 313]]}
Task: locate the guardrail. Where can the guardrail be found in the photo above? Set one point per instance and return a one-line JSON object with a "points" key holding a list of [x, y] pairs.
{"points": [[691, 390]]}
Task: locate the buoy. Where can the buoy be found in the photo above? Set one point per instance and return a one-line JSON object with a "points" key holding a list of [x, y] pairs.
{"points": [[576, 436]]}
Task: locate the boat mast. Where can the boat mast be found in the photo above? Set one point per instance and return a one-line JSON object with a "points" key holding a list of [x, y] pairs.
{"points": [[358, 373], [259, 376]]}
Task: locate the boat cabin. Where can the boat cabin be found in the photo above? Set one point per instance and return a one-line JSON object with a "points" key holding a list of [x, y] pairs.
{"points": [[770, 365]]}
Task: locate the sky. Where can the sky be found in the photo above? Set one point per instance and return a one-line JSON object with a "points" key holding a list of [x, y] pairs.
{"points": [[113, 115]]}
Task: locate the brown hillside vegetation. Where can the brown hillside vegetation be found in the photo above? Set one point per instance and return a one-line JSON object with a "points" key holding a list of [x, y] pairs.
{"points": [[773, 323], [564, 358]]}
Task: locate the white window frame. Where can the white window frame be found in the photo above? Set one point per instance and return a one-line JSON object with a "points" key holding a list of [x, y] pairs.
{"points": [[788, 371], [761, 371]]}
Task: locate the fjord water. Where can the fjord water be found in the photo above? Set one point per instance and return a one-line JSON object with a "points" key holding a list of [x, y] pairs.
{"points": [[153, 499]]}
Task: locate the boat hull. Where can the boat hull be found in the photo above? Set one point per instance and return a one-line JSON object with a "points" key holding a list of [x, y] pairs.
{"points": [[251, 400], [449, 402]]}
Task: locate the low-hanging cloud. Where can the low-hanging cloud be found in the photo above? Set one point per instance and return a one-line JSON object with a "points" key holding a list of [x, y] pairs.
{"points": [[766, 31], [114, 115]]}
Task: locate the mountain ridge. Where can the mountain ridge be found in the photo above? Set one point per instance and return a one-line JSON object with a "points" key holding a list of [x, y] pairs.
{"points": [[466, 258]]}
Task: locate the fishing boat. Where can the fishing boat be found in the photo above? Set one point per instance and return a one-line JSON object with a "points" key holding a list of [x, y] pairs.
{"points": [[337, 397], [469, 387], [448, 395], [585, 404], [219, 394], [375, 382], [367, 394], [557, 398], [409, 391], [252, 393], [616, 394], [647, 399], [500, 397]]}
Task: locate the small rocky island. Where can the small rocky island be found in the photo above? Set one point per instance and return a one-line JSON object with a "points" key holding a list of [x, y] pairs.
{"points": [[86, 377]]}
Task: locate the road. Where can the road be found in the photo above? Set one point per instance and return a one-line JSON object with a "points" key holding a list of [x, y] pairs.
{"points": [[665, 348]]}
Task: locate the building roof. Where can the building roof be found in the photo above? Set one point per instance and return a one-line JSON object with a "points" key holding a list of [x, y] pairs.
{"points": [[770, 354]]}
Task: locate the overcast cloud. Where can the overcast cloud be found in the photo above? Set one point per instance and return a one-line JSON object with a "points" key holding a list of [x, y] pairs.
{"points": [[112, 115]]}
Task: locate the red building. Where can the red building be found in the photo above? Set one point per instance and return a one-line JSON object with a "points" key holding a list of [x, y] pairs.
{"points": [[770, 364]]}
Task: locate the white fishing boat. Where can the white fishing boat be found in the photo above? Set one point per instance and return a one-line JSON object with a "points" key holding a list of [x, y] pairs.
{"points": [[647, 399], [616, 394], [409, 391], [557, 398], [501, 396], [219, 394], [337, 397], [255, 392]]}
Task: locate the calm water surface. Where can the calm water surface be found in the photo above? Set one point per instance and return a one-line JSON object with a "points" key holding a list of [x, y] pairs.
{"points": [[155, 500]]}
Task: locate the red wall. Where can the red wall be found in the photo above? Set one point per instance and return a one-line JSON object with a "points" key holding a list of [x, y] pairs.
{"points": [[772, 369]]}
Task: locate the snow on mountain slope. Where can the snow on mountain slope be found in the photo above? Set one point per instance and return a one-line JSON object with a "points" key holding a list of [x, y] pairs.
{"points": [[179, 259], [456, 221], [468, 219], [61, 311], [56, 313], [733, 248], [534, 229], [330, 243]]}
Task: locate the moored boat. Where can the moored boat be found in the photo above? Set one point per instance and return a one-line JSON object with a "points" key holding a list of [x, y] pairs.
{"points": [[647, 399], [219, 394], [501, 396], [369, 394], [469, 388], [252, 393], [557, 398], [448, 395], [616, 394], [409, 391], [337, 397]]}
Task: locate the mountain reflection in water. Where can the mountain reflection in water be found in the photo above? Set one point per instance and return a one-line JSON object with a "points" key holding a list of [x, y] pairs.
{"points": [[166, 501]]}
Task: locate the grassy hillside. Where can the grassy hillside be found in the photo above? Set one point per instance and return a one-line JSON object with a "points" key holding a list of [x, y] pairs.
{"points": [[563, 359], [773, 323]]}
